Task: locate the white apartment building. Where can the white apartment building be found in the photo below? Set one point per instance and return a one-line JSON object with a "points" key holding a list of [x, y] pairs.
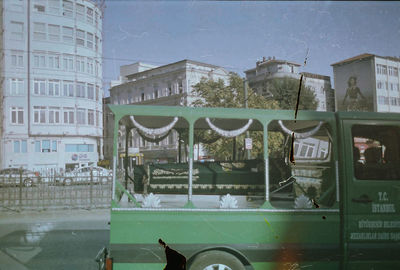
{"points": [[170, 85], [51, 83], [367, 82], [271, 68]]}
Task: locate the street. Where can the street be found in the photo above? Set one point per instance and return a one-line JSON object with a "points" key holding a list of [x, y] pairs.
{"points": [[62, 239]]}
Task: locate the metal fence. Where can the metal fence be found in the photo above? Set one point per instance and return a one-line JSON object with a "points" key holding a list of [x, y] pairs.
{"points": [[54, 191]]}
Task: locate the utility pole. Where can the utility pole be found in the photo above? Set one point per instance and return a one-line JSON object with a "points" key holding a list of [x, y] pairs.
{"points": [[247, 156]]}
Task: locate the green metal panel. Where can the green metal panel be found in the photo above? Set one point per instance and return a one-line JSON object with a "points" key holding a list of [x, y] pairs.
{"points": [[267, 238]]}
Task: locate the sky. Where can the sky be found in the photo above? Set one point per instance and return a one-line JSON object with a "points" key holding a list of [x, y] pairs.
{"points": [[235, 35]]}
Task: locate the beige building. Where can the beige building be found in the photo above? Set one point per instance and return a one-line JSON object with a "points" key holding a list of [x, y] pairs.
{"points": [[271, 68], [367, 82], [169, 85]]}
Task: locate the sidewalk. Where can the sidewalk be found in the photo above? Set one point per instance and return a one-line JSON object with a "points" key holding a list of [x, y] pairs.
{"points": [[68, 215]]}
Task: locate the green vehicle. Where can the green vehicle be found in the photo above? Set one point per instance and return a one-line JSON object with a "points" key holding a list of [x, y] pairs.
{"points": [[321, 192]]}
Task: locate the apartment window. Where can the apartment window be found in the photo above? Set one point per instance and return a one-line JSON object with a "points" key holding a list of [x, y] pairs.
{"points": [[381, 69], [39, 31], [89, 40], [54, 61], [80, 12], [80, 64], [17, 59], [169, 90], [90, 65], [96, 18], [155, 93], [142, 97], [68, 88], [17, 148], [97, 118], [17, 6], [68, 34], [68, 62], [54, 87], [45, 146], [53, 146], [96, 43], [97, 92], [17, 30], [17, 115], [393, 101], [54, 6], [90, 91], [180, 86], [54, 32], [37, 146], [380, 85], [39, 114], [69, 115], [20, 146], [39, 60], [68, 8], [91, 117], [80, 90], [16, 86], [39, 6], [97, 67], [54, 115], [80, 116], [89, 15], [383, 100], [393, 71], [79, 148], [39, 87], [80, 37]]}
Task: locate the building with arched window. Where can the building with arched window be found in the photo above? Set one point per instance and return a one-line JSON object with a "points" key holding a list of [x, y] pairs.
{"points": [[51, 83]]}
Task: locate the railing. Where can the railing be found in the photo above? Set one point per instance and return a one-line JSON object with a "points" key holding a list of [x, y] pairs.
{"points": [[54, 191]]}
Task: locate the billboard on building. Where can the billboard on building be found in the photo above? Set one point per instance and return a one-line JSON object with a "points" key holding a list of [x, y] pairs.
{"points": [[354, 85]]}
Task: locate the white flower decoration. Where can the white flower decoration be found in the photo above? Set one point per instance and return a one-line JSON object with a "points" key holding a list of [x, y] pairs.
{"points": [[151, 201], [229, 133], [302, 201], [228, 202]]}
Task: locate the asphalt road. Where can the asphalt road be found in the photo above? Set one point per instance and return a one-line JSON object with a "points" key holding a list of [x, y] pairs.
{"points": [[66, 239]]}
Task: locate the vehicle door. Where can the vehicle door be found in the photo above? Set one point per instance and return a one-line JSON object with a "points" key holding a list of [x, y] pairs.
{"points": [[372, 183]]}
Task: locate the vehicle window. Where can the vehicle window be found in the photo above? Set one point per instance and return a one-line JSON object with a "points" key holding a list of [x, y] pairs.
{"points": [[376, 152], [301, 171]]}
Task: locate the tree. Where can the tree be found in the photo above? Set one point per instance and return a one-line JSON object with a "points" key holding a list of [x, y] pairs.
{"points": [[217, 94], [284, 91]]}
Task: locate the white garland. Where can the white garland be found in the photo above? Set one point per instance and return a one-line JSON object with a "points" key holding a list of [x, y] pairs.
{"points": [[300, 135], [229, 133], [154, 131], [302, 202], [228, 202], [151, 201]]}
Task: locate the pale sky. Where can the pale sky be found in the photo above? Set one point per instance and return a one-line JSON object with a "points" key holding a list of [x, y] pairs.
{"points": [[235, 35]]}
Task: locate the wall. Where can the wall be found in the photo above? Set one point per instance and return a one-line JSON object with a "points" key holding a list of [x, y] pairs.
{"points": [[363, 71]]}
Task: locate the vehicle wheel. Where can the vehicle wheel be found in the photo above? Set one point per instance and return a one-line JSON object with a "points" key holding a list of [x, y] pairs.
{"points": [[28, 182], [67, 181], [104, 180], [216, 260]]}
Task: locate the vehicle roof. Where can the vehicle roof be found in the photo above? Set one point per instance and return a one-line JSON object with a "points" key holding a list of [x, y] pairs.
{"points": [[162, 115]]}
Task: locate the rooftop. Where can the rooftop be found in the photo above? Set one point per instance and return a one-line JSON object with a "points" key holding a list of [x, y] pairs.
{"points": [[186, 61], [266, 62], [364, 56]]}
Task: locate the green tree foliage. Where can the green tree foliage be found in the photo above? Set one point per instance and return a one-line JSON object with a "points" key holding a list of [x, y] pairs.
{"points": [[217, 94], [285, 90]]}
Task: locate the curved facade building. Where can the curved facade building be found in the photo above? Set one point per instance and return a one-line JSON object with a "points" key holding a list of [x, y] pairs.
{"points": [[51, 80]]}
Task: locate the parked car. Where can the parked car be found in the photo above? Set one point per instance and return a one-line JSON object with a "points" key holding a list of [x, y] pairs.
{"points": [[83, 175], [12, 177]]}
